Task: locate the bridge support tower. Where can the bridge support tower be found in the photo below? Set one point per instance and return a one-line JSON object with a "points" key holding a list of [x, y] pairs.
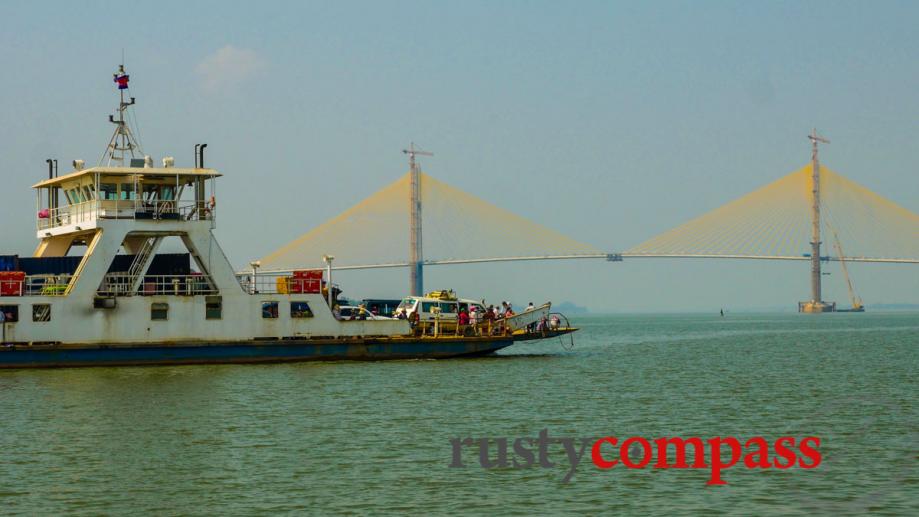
{"points": [[416, 254], [816, 303]]}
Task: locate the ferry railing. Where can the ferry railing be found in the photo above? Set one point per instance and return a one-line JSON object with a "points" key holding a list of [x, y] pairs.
{"points": [[278, 283], [166, 210], [163, 210], [65, 215], [245, 281], [119, 284], [451, 327], [36, 285], [539, 321], [46, 285]]}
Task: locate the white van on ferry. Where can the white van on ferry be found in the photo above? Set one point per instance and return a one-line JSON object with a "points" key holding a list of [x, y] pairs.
{"points": [[437, 305]]}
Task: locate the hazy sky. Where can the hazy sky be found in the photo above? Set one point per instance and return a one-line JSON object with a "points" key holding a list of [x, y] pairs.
{"points": [[607, 121]]}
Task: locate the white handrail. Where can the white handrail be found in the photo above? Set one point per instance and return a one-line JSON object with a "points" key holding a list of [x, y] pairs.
{"points": [[119, 284], [124, 209]]}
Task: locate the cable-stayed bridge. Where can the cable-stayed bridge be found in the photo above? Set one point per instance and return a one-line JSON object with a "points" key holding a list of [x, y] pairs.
{"points": [[774, 222], [419, 221], [458, 228]]}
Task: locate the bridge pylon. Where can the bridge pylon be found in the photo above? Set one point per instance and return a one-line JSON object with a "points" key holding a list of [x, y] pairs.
{"points": [[416, 251], [816, 303]]}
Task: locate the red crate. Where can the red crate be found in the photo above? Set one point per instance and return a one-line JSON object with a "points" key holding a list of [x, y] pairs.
{"points": [[11, 283], [305, 285], [315, 274], [312, 286]]}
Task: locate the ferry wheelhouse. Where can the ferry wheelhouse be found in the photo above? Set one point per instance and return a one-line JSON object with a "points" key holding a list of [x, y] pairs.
{"points": [[102, 289]]}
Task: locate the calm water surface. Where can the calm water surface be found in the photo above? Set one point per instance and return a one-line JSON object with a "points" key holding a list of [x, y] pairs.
{"points": [[375, 437]]}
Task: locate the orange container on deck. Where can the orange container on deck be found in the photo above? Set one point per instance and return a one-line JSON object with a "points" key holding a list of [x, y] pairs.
{"points": [[282, 283], [11, 283]]}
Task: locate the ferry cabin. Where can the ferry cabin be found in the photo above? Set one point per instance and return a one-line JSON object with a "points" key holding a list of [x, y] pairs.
{"points": [[98, 275]]}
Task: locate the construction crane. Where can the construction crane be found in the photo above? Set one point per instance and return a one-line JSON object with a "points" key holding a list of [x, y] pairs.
{"points": [[856, 301]]}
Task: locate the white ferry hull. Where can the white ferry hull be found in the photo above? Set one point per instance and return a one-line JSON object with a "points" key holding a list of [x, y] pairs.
{"points": [[38, 356]]}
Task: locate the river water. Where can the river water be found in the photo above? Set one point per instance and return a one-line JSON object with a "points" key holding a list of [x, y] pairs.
{"points": [[376, 437]]}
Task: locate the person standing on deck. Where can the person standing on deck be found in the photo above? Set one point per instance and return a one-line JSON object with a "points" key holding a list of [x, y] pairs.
{"points": [[532, 326], [488, 318], [463, 321]]}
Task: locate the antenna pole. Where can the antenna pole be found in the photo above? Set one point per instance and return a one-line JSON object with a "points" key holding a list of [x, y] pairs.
{"points": [[415, 252], [122, 140]]}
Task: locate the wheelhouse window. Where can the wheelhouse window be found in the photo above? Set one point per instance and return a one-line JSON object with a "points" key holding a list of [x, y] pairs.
{"points": [[127, 192], [300, 310], [213, 307], [270, 310], [41, 312], [10, 313], [108, 191], [159, 311]]}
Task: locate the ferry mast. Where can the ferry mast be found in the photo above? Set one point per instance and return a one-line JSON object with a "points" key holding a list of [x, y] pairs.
{"points": [[123, 141]]}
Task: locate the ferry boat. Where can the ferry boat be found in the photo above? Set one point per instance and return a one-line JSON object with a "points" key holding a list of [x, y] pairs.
{"points": [[101, 289]]}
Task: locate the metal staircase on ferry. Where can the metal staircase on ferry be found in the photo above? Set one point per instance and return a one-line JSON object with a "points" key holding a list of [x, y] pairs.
{"points": [[141, 262]]}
